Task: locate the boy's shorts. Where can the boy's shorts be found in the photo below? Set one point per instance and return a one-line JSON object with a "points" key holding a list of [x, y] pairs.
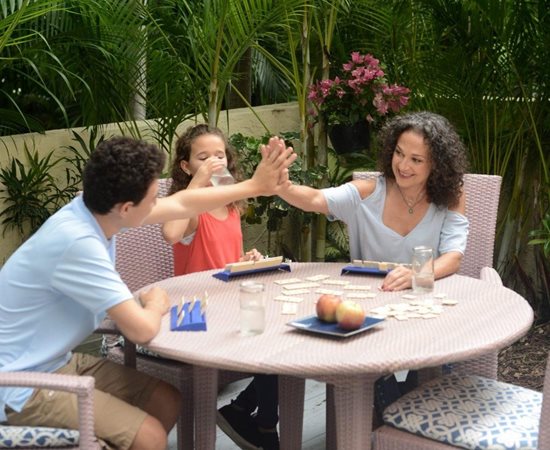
{"points": [[119, 397]]}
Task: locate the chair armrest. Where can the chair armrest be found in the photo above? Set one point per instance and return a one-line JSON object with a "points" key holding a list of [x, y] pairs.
{"points": [[490, 275], [544, 431], [108, 326], [82, 386]]}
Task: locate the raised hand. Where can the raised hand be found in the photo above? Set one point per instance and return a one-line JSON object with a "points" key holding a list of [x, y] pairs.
{"points": [[272, 172]]}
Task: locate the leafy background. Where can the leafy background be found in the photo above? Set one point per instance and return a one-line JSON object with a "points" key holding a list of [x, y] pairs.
{"points": [[484, 64]]}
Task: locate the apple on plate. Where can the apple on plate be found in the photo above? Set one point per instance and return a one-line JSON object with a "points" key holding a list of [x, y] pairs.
{"points": [[350, 315], [326, 307]]}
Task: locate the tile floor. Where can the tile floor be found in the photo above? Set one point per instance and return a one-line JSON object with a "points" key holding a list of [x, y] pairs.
{"points": [[314, 417]]}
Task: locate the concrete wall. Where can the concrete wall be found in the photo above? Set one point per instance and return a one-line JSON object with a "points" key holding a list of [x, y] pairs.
{"points": [[272, 118]]}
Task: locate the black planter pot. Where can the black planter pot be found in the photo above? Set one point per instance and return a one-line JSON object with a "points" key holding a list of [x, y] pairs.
{"points": [[350, 138]]}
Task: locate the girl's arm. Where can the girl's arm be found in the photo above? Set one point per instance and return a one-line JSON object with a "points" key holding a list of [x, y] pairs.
{"points": [[270, 177], [175, 230]]}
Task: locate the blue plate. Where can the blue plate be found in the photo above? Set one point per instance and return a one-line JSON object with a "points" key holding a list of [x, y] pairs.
{"points": [[314, 325]]}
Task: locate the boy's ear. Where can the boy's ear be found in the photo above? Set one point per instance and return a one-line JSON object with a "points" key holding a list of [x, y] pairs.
{"points": [[124, 208]]}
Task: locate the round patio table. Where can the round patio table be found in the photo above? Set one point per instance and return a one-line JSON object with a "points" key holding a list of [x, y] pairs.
{"points": [[487, 318]]}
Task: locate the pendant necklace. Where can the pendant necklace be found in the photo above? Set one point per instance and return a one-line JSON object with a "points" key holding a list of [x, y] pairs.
{"points": [[410, 205]]}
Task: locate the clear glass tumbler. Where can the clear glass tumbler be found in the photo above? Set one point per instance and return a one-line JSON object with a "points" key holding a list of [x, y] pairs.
{"points": [[252, 308], [222, 177], [423, 270]]}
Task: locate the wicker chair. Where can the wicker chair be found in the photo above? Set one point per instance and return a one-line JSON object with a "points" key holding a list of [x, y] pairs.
{"points": [[482, 199], [492, 409], [52, 438]]}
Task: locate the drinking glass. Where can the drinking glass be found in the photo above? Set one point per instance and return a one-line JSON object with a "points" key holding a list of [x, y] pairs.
{"points": [[222, 177], [252, 308], [423, 270]]}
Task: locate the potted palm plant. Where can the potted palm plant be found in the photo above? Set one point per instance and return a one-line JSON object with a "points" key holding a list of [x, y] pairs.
{"points": [[357, 96]]}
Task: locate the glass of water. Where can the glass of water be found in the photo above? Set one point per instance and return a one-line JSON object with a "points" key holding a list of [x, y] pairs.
{"points": [[252, 308], [222, 177], [423, 270]]}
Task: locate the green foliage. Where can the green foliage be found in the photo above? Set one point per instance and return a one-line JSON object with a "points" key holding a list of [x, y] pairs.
{"points": [[541, 236], [69, 63], [30, 192], [81, 154], [273, 209]]}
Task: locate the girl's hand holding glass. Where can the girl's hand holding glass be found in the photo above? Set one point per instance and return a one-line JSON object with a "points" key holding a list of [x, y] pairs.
{"points": [[204, 173]]}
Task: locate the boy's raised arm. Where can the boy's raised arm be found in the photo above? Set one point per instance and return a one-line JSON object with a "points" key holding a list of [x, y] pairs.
{"points": [[270, 177]]}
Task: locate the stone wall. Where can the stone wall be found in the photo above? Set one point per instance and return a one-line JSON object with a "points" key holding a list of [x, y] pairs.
{"points": [[272, 118]]}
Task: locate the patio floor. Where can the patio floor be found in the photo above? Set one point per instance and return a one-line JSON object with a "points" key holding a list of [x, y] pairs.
{"points": [[314, 413]]}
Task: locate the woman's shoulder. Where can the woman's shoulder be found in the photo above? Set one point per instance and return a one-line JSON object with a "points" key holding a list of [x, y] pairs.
{"points": [[368, 186]]}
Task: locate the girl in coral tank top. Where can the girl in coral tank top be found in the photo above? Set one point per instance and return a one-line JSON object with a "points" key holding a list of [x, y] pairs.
{"points": [[212, 239]]}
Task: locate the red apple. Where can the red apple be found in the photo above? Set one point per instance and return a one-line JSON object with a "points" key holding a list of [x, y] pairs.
{"points": [[350, 315], [326, 307]]}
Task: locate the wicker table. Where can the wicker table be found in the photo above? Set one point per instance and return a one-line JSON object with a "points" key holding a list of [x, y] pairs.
{"points": [[486, 319]]}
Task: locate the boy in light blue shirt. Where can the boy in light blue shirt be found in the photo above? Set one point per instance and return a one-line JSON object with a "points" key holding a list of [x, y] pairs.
{"points": [[59, 285]]}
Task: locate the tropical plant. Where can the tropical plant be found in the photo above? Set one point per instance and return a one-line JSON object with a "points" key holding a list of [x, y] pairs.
{"points": [[359, 92], [79, 155], [271, 209], [31, 193], [541, 236]]}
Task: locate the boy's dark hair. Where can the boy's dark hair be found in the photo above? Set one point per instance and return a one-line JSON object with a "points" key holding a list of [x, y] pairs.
{"points": [[120, 169], [446, 151]]}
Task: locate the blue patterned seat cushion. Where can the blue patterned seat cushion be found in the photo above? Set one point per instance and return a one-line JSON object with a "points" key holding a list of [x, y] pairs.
{"points": [[41, 437], [470, 412]]}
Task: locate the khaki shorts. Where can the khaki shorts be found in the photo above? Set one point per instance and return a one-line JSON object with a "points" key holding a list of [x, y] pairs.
{"points": [[119, 397]]}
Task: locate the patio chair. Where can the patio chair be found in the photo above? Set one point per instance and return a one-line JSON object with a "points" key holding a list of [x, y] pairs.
{"points": [[482, 199], [467, 411], [46, 437]]}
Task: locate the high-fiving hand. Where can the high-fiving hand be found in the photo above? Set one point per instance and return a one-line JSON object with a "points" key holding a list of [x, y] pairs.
{"points": [[272, 172]]}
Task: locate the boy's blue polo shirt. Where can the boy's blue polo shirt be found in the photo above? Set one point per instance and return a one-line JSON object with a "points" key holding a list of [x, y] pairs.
{"points": [[54, 291]]}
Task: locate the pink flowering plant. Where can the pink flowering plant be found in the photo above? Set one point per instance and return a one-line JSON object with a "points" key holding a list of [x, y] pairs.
{"points": [[360, 92]]}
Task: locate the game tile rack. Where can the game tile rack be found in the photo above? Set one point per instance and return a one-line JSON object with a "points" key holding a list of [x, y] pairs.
{"points": [[239, 269], [189, 316]]}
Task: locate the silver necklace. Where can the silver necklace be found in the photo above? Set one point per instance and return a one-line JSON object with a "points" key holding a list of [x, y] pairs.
{"points": [[409, 204]]}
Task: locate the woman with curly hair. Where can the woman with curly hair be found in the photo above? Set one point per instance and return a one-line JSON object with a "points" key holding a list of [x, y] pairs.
{"points": [[417, 200]]}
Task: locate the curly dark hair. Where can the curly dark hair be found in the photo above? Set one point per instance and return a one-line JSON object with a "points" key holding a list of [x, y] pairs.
{"points": [[120, 169], [180, 179], [447, 153]]}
